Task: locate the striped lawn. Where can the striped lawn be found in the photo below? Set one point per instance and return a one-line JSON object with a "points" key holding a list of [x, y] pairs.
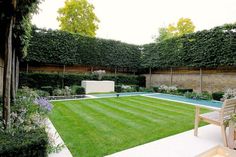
{"points": [[98, 127]]}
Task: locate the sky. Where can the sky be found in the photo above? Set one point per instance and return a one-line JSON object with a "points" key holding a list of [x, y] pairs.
{"points": [[137, 21]]}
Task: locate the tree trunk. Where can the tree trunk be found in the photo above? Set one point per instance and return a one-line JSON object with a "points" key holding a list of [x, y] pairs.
{"points": [[150, 77], [7, 74], [171, 76], [200, 80], [17, 72], [115, 71], [13, 76]]}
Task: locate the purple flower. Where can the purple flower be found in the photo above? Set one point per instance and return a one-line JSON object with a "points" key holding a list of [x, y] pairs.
{"points": [[43, 103]]}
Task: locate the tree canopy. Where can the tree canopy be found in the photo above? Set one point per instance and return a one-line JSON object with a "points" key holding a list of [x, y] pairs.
{"points": [[77, 16], [163, 34], [183, 26]]}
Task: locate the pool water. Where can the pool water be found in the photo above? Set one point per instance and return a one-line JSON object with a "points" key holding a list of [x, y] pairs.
{"points": [[211, 103]]}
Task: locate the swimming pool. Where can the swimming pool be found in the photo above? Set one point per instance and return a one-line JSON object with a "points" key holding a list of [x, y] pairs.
{"points": [[209, 103]]}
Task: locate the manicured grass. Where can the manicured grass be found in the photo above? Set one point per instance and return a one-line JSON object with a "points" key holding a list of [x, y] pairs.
{"points": [[98, 127]]}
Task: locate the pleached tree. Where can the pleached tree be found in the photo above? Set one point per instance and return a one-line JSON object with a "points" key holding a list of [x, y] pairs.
{"points": [[15, 31]]}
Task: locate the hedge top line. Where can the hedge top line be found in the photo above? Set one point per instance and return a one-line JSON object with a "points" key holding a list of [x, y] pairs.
{"points": [[208, 48]]}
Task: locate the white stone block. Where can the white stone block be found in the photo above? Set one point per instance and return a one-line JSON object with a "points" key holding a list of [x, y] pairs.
{"points": [[98, 86]]}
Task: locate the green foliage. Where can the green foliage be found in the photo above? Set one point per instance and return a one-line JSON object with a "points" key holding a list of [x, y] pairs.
{"points": [[66, 91], [24, 144], [49, 81], [118, 88], [209, 48], [73, 89], [156, 89], [80, 90], [77, 16], [27, 136], [48, 89], [142, 89], [63, 48], [184, 90], [42, 93], [217, 95], [202, 96], [21, 26], [184, 26], [57, 92], [163, 35]]}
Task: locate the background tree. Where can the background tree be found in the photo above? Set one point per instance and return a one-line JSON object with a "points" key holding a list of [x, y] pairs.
{"points": [[77, 16], [184, 26], [163, 34]]}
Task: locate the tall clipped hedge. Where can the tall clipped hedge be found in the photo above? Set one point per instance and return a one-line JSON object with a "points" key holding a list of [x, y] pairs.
{"points": [[209, 48], [58, 47]]}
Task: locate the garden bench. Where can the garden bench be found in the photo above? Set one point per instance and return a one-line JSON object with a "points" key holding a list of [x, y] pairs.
{"points": [[217, 117]]}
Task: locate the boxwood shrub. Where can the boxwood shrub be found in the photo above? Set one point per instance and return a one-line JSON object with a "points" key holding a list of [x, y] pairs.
{"points": [[30, 144], [182, 91], [80, 90], [118, 88], [217, 95]]}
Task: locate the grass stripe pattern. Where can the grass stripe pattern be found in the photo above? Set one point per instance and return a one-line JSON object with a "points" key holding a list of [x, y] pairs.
{"points": [[98, 127]]}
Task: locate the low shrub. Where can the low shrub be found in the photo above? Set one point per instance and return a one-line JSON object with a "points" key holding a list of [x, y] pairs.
{"points": [[118, 88], [217, 95], [184, 90], [48, 89], [80, 90], [128, 88], [165, 89], [54, 80], [24, 144], [67, 91], [135, 88], [42, 93], [205, 96], [156, 89], [57, 92], [73, 89], [191, 95], [142, 89], [202, 96], [27, 136]]}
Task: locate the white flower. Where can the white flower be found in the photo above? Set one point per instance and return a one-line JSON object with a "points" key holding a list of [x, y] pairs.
{"points": [[230, 93]]}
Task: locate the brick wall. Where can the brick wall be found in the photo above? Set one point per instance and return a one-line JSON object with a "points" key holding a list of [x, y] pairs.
{"points": [[69, 69], [212, 80]]}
